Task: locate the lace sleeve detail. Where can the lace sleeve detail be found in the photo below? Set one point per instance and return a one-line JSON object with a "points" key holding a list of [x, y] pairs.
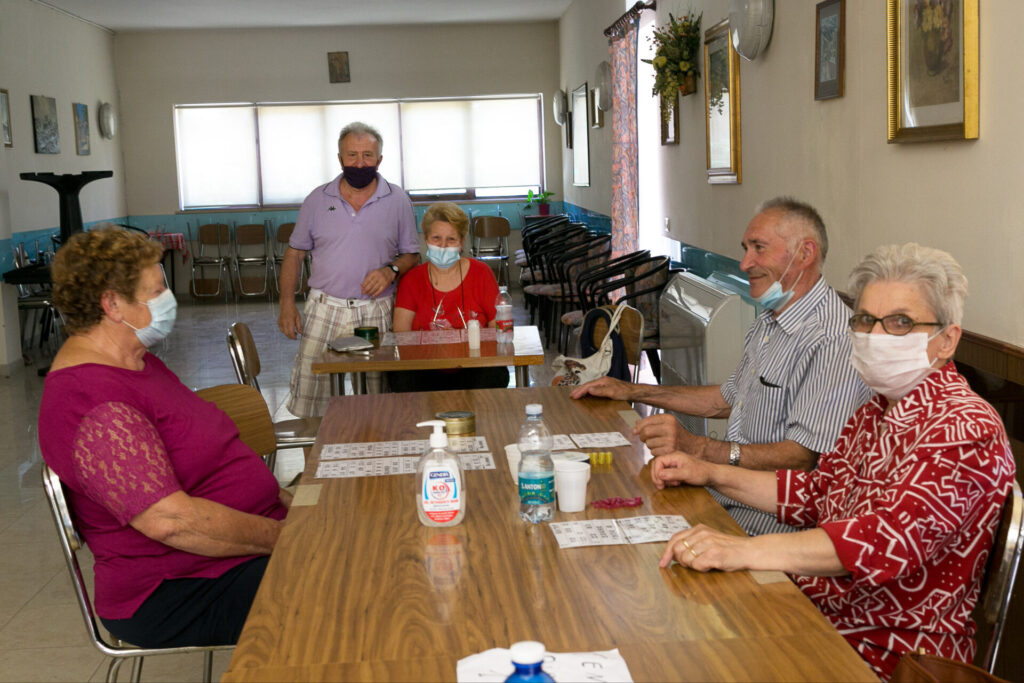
{"points": [[121, 462]]}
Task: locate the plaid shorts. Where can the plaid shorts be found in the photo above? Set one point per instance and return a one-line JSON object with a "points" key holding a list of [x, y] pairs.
{"points": [[322, 322]]}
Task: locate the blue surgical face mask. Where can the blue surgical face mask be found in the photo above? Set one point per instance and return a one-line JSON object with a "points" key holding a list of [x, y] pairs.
{"points": [[774, 298], [163, 309], [443, 257]]}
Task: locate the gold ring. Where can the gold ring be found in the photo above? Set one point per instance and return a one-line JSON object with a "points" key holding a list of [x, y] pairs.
{"points": [[690, 548]]}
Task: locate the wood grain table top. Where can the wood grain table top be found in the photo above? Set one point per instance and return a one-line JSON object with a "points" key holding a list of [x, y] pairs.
{"points": [[358, 589], [526, 349]]}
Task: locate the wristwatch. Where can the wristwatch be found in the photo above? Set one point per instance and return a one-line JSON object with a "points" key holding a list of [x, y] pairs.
{"points": [[734, 453], [394, 269]]}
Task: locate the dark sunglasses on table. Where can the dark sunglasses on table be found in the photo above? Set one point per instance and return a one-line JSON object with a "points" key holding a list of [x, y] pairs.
{"points": [[896, 324]]}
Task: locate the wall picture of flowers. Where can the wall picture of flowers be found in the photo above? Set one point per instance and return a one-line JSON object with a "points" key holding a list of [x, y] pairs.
{"points": [[932, 54], [676, 61]]}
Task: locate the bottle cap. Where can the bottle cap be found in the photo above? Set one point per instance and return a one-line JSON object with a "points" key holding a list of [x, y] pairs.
{"points": [[438, 439], [528, 652], [534, 409]]}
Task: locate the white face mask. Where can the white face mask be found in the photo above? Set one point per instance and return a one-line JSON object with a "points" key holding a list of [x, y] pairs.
{"points": [[889, 364]]}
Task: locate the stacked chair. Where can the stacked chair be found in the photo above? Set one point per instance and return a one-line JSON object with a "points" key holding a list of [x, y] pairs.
{"points": [[211, 251], [489, 242], [253, 260], [282, 235]]}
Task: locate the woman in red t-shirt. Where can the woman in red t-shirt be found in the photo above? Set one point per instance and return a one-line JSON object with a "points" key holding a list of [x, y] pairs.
{"points": [[445, 293]]}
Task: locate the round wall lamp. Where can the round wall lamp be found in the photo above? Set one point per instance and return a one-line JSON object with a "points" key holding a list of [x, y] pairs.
{"points": [[558, 106], [750, 25], [107, 121]]}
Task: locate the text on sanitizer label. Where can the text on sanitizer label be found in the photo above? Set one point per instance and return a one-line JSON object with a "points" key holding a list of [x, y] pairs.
{"points": [[441, 500]]}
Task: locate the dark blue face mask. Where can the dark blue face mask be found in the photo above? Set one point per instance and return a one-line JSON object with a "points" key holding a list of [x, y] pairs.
{"points": [[359, 176]]}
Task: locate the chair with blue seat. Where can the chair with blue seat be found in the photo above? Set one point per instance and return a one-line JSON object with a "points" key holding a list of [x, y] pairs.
{"points": [[118, 651]]}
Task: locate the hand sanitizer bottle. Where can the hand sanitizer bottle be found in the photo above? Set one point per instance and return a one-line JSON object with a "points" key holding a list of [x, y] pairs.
{"points": [[440, 496]]}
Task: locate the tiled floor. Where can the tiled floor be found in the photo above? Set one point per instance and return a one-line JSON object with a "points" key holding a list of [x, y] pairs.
{"points": [[42, 637]]}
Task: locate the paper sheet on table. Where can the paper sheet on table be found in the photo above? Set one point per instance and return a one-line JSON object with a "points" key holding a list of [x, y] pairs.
{"points": [[644, 529], [600, 440], [387, 466], [376, 449], [496, 664]]}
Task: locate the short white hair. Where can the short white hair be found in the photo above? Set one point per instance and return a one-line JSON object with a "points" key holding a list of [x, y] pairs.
{"points": [[935, 272], [359, 129]]}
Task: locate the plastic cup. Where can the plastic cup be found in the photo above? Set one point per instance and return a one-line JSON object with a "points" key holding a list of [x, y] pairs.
{"points": [[571, 479]]}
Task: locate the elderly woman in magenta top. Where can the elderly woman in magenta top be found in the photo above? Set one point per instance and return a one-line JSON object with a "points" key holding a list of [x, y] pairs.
{"points": [[446, 292], [178, 512], [899, 519]]}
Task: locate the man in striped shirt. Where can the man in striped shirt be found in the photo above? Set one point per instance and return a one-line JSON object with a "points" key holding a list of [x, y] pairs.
{"points": [[794, 387]]}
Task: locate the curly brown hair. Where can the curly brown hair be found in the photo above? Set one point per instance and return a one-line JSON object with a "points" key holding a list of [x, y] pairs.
{"points": [[91, 263]]}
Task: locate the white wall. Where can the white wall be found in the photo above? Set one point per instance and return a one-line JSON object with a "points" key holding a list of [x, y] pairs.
{"points": [[583, 46], [156, 70], [44, 52], [960, 196]]}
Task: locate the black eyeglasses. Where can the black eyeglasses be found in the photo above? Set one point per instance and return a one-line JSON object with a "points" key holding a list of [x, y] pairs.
{"points": [[896, 324]]}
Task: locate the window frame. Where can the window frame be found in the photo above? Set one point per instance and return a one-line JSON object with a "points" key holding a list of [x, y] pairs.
{"points": [[470, 195]]}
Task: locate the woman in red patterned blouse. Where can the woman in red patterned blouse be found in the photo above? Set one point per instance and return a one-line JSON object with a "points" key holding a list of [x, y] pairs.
{"points": [[899, 518]]}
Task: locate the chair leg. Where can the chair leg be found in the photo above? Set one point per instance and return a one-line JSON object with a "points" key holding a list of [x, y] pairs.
{"points": [[655, 360], [137, 669], [208, 666], [112, 668]]}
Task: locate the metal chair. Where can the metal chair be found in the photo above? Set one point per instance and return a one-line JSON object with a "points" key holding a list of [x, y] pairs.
{"points": [[280, 245], [1003, 564], [296, 433], [211, 248], [252, 252], [489, 242], [248, 409], [70, 544]]}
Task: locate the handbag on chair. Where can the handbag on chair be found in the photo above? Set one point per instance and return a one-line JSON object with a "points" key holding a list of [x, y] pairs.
{"points": [[568, 371]]}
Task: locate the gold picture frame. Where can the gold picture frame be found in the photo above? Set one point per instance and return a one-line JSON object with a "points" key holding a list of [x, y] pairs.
{"points": [[722, 106], [932, 60]]}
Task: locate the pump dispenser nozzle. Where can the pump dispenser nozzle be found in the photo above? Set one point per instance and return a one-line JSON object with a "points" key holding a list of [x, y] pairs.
{"points": [[438, 438]]}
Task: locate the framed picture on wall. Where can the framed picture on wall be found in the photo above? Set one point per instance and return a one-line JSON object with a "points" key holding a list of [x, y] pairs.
{"points": [[81, 113], [44, 124], [5, 119], [932, 60], [670, 123], [829, 49], [722, 106]]}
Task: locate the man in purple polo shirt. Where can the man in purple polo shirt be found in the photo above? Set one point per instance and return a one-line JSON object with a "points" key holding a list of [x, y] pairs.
{"points": [[362, 234]]}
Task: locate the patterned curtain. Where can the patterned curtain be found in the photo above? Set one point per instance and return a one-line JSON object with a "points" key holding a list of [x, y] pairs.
{"points": [[625, 205]]}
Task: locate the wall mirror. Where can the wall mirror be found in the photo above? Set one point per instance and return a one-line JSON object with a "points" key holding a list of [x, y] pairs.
{"points": [[580, 140], [722, 106]]}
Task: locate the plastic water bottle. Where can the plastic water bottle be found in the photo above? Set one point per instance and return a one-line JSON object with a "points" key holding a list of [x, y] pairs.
{"points": [[503, 317], [536, 470], [527, 658]]}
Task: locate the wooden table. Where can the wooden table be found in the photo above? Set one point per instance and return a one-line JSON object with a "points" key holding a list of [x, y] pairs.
{"points": [[358, 589], [525, 350]]}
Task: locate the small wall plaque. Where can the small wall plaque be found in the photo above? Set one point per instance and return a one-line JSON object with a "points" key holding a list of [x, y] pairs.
{"points": [[337, 67]]}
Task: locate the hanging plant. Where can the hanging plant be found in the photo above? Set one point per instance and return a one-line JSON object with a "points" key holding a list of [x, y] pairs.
{"points": [[676, 58]]}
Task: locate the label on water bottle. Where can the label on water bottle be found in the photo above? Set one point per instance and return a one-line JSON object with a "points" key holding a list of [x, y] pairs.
{"points": [[536, 488], [441, 501], [503, 325]]}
